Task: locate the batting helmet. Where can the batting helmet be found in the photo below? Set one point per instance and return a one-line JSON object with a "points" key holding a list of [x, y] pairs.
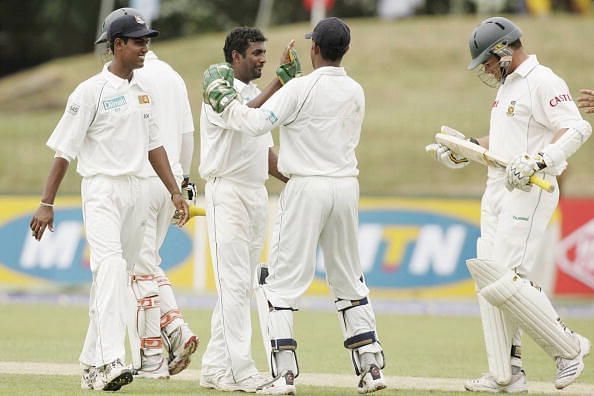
{"points": [[491, 34], [113, 16]]}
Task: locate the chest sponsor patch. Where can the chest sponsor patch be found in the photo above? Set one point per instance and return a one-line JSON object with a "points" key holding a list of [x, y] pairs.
{"points": [[114, 103], [144, 99]]}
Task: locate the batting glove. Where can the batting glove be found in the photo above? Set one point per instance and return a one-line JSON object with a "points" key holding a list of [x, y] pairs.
{"points": [[290, 70], [217, 86], [519, 171], [445, 156]]}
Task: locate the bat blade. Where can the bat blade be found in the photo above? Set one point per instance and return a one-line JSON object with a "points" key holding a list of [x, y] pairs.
{"points": [[481, 155]]}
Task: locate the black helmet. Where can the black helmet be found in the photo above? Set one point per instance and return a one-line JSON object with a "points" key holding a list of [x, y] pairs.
{"points": [[492, 34], [113, 16]]}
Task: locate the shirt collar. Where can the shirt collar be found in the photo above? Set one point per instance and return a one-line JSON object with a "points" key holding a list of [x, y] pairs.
{"points": [[330, 70], [117, 82], [240, 85], [526, 67]]}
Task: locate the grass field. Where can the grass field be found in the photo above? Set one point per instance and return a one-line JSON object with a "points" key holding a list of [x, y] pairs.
{"points": [[413, 72], [415, 346]]}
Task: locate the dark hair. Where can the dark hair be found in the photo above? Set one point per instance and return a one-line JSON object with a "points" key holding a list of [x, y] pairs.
{"points": [[516, 44], [112, 43], [239, 39], [332, 53]]}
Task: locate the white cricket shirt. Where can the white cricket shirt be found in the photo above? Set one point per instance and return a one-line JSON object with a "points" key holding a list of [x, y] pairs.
{"points": [[530, 107], [107, 126], [171, 108], [229, 153], [320, 117]]}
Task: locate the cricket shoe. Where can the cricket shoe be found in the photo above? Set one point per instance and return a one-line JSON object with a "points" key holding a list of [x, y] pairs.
{"points": [[224, 384], [114, 375], [282, 384], [181, 343], [487, 383], [159, 370], [371, 380], [568, 370], [90, 380]]}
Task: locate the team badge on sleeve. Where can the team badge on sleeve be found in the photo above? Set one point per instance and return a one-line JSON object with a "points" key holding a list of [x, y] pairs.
{"points": [[73, 108], [144, 99]]}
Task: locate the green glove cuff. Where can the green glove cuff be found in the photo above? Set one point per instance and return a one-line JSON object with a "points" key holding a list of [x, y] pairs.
{"points": [[290, 70]]}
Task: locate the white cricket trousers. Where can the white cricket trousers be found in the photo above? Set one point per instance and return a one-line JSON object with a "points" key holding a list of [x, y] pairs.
{"points": [[160, 211], [315, 211], [113, 211], [513, 224], [236, 216]]}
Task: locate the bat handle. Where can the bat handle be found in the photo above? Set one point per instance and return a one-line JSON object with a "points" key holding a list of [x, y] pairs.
{"points": [[545, 185], [194, 211]]}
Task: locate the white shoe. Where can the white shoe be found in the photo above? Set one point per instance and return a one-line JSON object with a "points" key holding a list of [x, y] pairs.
{"points": [[225, 384], [86, 382], [114, 375], [182, 344], [487, 383], [160, 370], [283, 384], [371, 380], [568, 370]]}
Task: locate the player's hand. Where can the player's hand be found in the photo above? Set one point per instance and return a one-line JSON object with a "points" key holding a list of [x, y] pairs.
{"points": [[42, 219], [217, 86], [519, 171], [445, 156], [182, 210], [290, 66], [586, 101]]}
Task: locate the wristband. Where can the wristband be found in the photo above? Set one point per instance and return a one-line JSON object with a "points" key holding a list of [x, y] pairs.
{"points": [[49, 205]]}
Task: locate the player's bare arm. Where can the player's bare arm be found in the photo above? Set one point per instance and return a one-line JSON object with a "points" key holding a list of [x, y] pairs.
{"points": [[289, 61], [44, 215], [160, 163], [272, 166]]}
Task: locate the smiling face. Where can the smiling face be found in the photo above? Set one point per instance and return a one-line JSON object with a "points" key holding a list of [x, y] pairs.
{"points": [[130, 53], [249, 67]]}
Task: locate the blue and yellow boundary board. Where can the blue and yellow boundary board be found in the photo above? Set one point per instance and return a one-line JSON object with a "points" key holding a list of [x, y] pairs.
{"points": [[408, 248]]}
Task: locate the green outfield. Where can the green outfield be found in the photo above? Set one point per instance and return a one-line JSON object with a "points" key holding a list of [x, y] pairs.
{"points": [[415, 346], [413, 72]]}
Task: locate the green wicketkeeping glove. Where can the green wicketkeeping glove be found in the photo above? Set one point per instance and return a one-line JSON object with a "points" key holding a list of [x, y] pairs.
{"points": [[289, 70], [217, 86]]}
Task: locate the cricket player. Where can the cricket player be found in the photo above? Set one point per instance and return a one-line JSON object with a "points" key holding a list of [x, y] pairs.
{"points": [[108, 127], [155, 311], [235, 165], [536, 126], [320, 117]]}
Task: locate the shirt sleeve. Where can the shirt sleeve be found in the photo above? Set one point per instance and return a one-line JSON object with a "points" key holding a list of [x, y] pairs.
{"points": [[259, 121], [554, 106], [69, 134], [188, 120]]}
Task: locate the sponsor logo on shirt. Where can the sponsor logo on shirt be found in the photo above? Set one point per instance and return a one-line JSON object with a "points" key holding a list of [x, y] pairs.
{"points": [[73, 109], [114, 103], [559, 99], [495, 104], [144, 99], [511, 109], [271, 116]]}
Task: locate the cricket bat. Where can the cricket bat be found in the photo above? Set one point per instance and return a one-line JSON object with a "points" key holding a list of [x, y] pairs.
{"points": [[481, 155], [194, 211]]}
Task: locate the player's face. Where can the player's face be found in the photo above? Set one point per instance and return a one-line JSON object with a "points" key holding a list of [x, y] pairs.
{"points": [[491, 66], [252, 64], [133, 51]]}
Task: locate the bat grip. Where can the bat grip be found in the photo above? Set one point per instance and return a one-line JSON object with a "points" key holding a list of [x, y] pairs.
{"points": [[545, 185]]}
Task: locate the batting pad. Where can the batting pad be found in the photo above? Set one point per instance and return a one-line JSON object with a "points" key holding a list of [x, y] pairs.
{"points": [[528, 305], [264, 318], [498, 330]]}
